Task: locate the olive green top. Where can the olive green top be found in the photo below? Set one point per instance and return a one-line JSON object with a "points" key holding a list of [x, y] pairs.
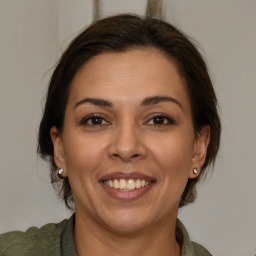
{"points": [[58, 240]]}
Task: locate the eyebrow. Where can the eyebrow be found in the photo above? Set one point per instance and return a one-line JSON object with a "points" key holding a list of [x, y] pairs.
{"points": [[146, 102], [158, 99], [97, 102]]}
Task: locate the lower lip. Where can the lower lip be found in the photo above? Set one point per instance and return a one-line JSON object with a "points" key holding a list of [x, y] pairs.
{"points": [[126, 195]]}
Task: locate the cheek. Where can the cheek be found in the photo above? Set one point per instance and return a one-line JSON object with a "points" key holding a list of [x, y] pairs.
{"points": [[83, 165], [82, 154], [174, 153], [174, 158]]}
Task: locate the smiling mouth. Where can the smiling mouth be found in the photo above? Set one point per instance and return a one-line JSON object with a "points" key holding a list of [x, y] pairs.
{"points": [[127, 185]]}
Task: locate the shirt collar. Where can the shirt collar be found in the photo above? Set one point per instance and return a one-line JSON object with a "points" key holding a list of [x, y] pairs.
{"points": [[67, 241], [187, 248]]}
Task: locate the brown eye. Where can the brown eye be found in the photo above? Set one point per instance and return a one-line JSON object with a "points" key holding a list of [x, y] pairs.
{"points": [[161, 120], [93, 120]]}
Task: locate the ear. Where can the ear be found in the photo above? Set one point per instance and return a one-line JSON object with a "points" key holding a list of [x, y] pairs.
{"points": [[200, 150], [59, 156]]}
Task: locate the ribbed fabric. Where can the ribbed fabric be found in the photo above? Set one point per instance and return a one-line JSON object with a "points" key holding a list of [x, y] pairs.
{"points": [[58, 240]]}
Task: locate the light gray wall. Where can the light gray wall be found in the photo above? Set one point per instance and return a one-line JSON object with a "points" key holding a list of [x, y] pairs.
{"points": [[33, 34]]}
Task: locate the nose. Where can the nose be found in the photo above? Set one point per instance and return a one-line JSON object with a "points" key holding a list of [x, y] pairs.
{"points": [[127, 143]]}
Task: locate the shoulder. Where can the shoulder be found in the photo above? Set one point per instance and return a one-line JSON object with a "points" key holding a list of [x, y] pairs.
{"points": [[200, 250], [45, 240], [190, 248]]}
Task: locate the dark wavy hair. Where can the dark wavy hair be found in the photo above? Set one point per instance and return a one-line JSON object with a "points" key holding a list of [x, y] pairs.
{"points": [[119, 34]]}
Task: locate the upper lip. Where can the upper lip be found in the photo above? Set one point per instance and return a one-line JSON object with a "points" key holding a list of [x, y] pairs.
{"points": [[126, 176]]}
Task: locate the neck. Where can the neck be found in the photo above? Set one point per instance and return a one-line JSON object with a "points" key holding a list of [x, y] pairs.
{"points": [[92, 238]]}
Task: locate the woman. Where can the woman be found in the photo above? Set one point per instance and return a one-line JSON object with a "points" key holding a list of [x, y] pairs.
{"points": [[130, 125]]}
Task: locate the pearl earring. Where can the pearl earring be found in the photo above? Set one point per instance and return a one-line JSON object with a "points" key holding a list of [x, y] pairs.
{"points": [[59, 173], [195, 171]]}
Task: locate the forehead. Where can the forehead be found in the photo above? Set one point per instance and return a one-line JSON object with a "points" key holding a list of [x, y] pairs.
{"points": [[133, 74]]}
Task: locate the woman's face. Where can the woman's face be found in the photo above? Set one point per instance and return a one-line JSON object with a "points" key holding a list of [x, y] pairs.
{"points": [[128, 124]]}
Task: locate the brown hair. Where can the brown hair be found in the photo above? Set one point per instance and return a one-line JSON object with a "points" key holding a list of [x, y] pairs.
{"points": [[118, 34]]}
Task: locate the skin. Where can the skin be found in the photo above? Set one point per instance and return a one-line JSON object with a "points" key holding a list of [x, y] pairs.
{"points": [[129, 137]]}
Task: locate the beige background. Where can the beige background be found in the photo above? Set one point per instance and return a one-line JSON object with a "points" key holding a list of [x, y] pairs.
{"points": [[34, 33]]}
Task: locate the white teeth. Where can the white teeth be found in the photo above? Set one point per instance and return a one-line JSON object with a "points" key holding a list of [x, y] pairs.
{"points": [[110, 183], [116, 183], [130, 184], [122, 184], [138, 183]]}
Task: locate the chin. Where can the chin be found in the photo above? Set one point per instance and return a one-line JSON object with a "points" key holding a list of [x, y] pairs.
{"points": [[126, 222], [127, 226]]}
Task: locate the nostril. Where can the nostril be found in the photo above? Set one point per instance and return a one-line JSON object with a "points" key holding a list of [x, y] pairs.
{"points": [[125, 157]]}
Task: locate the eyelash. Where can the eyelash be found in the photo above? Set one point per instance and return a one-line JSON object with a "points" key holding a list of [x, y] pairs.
{"points": [[166, 119], [85, 121], [159, 117]]}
